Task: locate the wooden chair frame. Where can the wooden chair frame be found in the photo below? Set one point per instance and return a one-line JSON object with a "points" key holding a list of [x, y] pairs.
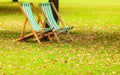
{"points": [[59, 21], [34, 33]]}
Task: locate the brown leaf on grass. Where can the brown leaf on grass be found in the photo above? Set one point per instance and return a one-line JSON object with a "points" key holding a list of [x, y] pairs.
{"points": [[66, 61], [113, 56], [3, 74], [44, 66]]}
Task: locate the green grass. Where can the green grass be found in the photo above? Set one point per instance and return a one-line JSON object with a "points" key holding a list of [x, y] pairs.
{"points": [[95, 50]]}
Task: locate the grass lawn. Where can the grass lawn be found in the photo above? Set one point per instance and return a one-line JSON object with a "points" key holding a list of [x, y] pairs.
{"points": [[95, 50]]}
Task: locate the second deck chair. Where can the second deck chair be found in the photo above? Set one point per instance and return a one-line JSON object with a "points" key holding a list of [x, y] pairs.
{"points": [[26, 9], [46, 9]]}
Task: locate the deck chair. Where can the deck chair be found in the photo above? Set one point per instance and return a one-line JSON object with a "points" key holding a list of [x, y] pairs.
{"points": [[37, 30], [46, 9]]}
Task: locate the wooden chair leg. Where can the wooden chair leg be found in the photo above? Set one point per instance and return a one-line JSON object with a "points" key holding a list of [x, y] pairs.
{"points": [[50, 38], [69, 36], [58, 40], [37, 38], [23, 29]]}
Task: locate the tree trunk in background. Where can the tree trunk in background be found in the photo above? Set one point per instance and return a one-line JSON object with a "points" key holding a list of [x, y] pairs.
{"points": [[56, 3], [15, 0]]}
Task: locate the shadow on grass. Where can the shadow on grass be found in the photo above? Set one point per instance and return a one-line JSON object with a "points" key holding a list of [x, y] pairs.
{"points": [[6, 34], [80, 38], [84, 41], [93, 37], [9, 7]]}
